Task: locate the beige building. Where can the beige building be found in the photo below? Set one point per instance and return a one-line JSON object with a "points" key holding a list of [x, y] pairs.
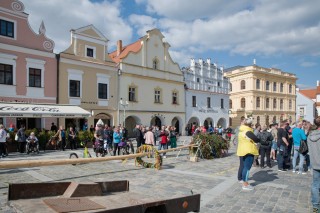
{"points": [[266, 94], [88, 77], [151, 86]]}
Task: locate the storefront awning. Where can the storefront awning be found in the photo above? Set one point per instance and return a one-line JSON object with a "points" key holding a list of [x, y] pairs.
{"points": [[41, 110]]}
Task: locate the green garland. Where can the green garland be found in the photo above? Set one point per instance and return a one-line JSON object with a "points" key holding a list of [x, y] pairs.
{"points": [[150, 150]]}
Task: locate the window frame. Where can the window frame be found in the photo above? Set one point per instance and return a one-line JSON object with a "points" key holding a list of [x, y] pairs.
{"points": [[107, 91], [208, 102], [222, 103], [175, 97], [6, 22], [242, 85], [290, 88], [5, 73], [132, 93], [157, 96], [194, 101], [267, 85], [274, 103], [267, 103], [70, 92], [230, 104], [281, 87], [274, 86], [94, 49], [155, 64], [258, 84], [33, 84], [258, 104], [243, 103]]}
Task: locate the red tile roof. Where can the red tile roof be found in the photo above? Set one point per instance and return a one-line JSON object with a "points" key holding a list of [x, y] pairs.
{"points": [[134, 47], [310, 93]]}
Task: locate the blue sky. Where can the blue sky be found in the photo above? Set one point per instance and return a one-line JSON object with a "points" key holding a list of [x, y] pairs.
{"points": [[282, 34]]}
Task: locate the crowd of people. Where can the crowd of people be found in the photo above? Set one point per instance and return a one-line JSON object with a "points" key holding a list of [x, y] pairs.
{"points": [[281, 144]]}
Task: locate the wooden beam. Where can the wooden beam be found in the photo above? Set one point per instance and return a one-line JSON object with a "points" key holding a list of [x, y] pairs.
{"points": [[54, 162]]}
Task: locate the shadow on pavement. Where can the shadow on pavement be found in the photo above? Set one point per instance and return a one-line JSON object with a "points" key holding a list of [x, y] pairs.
{"points": [[264, 176]]}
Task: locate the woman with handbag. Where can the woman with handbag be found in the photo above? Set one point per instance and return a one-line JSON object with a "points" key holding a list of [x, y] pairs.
{"points": [[298, 135]]}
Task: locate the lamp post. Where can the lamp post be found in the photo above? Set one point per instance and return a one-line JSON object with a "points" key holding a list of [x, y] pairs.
{"points": [[118, 113], [124, 104]]}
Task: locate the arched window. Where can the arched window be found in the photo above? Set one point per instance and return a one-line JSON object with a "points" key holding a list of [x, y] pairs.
{"points": [[267, 85], [258, 119], [274, 86], [243, 84], [267, 120], [243, 103], [258, 84], [290, 104], [155, 64], [281, 87], [258, 102], [230, 104], [274, 103], [281, 104], [267, 103], [290, 88]]}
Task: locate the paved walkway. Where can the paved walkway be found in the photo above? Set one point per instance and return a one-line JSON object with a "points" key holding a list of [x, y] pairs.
{"points": [[214, 179]]}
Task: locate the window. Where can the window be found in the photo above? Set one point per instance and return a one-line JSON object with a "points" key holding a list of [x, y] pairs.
{"points": [[6, 28], [258, 84], [6, 76], [290, 88], [258, 102], [274, 103], [90, 52], [258, 119], [208, 102], [281, 104], [155, 64], [222, 103], [132, 94], [281, 87], [243, 103], [157, 96], [230, 104], [230, 87], [267, 120], [274, 86], [243, 84], [174, 97], [198, 80], [194, 101], [290, 104], [219, 85], [267, 103], [267, 85], [34, 77], [74, 88], [102, 91]]}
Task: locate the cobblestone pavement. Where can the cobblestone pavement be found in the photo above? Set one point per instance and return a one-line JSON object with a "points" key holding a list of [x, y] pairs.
{"points": [[214, 179]]}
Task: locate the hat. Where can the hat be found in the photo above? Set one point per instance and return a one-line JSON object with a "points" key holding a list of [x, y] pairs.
{"points": [[100, 123], [248, 121]]}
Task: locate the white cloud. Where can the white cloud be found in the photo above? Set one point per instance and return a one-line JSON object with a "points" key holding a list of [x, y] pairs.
{"points": [[62, 16], [308, 64], [142, 23]]}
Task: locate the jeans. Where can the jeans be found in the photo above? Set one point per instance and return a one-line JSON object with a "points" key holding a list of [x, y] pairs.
{"points": [[247, 164], [265, 152], [294, 160], [164, 146], [280, 157], [315, 186], [240, 168]]}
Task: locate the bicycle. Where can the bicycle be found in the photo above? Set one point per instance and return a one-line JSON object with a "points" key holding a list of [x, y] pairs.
{"points": [[86, 153]]}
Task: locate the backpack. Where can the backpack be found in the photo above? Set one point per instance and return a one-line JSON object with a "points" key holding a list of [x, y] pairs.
{"points": [[264, 138]]}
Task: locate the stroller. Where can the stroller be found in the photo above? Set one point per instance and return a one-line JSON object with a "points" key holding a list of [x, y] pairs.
{"points": [[126, 147], [99, 148]]}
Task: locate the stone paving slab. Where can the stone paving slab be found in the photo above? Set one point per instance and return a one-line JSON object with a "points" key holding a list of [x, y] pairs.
{"points": [[214, 179]]}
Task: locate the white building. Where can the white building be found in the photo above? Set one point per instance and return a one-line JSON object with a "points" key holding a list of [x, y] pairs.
{"points": [[207, 98], [306, 107]]}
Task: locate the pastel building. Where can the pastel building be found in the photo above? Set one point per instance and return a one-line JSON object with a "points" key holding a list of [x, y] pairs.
{"points": [[28, 67], [88, 78], [151, 86], [304, 109], [207, 94], [267, 95]]}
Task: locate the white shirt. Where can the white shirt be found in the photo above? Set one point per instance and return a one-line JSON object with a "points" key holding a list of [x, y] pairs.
{"points": [[3, 136]]}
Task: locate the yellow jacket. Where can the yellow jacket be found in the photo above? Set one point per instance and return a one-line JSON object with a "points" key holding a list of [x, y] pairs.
{"points": [[245, 144]]}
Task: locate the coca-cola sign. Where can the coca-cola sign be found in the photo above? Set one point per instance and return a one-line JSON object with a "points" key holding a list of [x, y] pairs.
{"points": [[26, 109]]}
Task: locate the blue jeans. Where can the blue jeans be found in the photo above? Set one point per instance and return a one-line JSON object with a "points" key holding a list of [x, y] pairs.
{"points": [[164, 146], [294, 160], [282, 152], [315, 186], [247, 164]]}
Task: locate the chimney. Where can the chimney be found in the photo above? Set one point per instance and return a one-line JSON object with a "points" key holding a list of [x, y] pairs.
{"points": [[119, 47]]}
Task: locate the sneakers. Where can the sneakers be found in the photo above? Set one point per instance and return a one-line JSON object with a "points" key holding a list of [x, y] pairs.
{"points": [[301, 173], [293, 171], [248, 187], [240, 181], [282, 170]]}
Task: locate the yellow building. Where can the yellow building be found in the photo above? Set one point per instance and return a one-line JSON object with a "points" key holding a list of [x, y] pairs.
{"points": [[88, 77], [266, 94]]}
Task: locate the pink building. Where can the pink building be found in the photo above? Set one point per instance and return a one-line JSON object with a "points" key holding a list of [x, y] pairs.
{"points": [[28, 66]]}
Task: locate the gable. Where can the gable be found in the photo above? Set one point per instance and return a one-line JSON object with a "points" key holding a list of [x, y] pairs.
{"points": [[91, 33]]}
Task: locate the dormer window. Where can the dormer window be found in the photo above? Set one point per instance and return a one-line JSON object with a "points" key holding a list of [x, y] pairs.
{"points": [[90, 52]]}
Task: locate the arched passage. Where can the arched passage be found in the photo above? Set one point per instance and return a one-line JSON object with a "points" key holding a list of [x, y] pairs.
{"points": [[176, 123], [222, 122], [156, 121], [208, 122], [106, 118], [131, 122], [194, 120]]}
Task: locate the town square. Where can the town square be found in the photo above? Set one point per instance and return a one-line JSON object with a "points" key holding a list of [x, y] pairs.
{"points": [[159, 106]]}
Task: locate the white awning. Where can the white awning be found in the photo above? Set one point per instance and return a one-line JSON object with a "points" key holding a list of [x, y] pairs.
{"points": [[41, 110]]}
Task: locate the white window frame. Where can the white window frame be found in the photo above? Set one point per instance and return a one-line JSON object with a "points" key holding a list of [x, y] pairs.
{"points": [[9, 90], [37, 64], [14, 28], [103, 79], [75, 75], [94, 51]]}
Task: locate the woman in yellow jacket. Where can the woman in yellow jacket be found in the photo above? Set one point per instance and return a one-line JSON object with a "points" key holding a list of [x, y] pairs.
{"points": [[247, 149]]}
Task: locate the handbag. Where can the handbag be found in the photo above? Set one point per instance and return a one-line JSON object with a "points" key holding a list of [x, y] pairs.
{"points": [[303, 149]]}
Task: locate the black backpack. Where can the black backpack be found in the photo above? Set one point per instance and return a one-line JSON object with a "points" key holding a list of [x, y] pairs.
{"points": [[264, 138]]}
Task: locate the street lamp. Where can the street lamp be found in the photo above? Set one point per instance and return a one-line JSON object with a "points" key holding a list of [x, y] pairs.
{"points": [[124, 104]]}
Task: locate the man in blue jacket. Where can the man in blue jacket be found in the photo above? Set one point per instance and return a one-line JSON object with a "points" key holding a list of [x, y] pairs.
{"points": [[298, 135]]}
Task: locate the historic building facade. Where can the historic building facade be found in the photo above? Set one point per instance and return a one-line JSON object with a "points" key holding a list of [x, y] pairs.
{"points": [[28, 67], [266, 94], [304, 111], [88, 77], [207, 94], [151, 87], [306, 107]]}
